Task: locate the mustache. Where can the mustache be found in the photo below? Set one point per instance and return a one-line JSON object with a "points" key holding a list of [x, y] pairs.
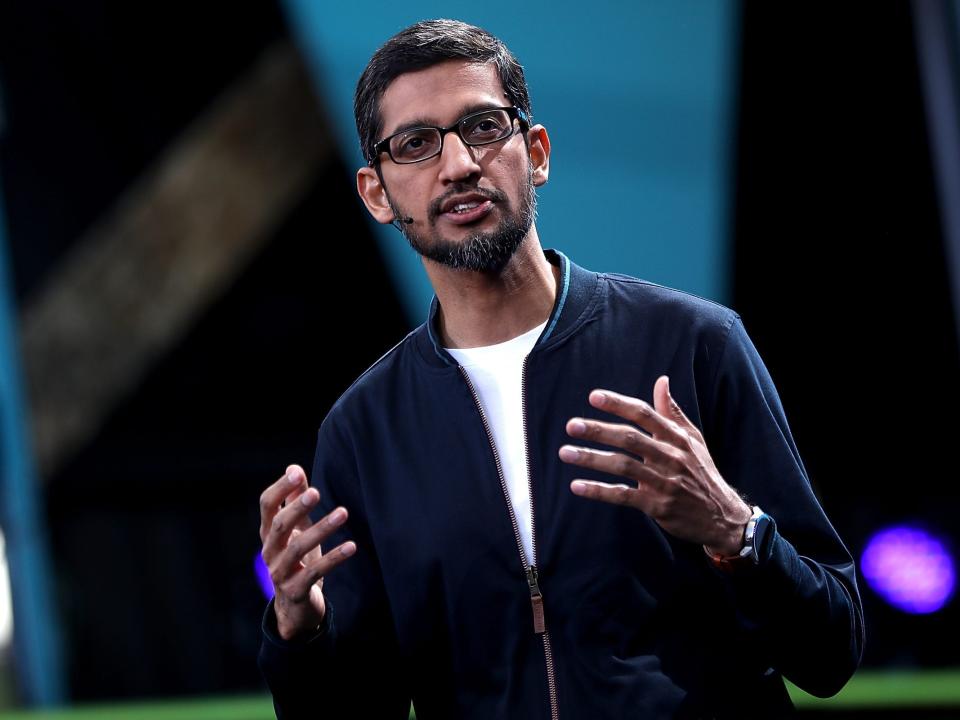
{"points": [[459, 189]]}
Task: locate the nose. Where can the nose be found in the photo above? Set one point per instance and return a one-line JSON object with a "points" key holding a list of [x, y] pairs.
{"points": [[458, 160]]}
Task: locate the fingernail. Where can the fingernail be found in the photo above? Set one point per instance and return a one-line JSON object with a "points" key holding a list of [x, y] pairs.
{"points": [[569, 453], [338, 515], [599, 398], [348, 549], [293, 477], [578, 486], [577, 427], [308, 498]]}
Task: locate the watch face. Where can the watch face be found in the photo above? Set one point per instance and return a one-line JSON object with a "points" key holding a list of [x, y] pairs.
{"points": [[761, 536]]}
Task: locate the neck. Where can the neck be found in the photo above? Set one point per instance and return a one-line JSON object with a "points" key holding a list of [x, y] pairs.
{"points": [[479, 309]]}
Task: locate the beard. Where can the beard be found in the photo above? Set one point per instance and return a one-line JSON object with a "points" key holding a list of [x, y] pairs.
{"points": [[486, 252]]}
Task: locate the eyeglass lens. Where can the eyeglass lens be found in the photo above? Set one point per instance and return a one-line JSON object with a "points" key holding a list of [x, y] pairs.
{"points": [[479, 129]]}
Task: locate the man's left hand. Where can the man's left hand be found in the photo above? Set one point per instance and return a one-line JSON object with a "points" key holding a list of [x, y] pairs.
{"points": [[677, 483]]}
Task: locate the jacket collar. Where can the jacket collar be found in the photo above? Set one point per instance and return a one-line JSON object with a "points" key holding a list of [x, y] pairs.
{"points": [[573, 297]]}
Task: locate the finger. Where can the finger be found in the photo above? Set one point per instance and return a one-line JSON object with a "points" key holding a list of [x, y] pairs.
{"points": [[667, 406], [298, 479], [626, 437], [610, 462], [293, 480], [636, 411], [302, 544], [298, 588], [311, 555], [613, 493], [286, 520]]}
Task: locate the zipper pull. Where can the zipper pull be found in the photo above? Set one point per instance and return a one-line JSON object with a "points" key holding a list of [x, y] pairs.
{"points": [[536, 601]]}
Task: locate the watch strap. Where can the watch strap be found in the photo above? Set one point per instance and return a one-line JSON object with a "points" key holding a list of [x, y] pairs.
{"points": [[748, 554]]}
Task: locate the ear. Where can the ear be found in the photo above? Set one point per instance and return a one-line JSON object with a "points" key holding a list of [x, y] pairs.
{"points": [[374, 195], [539, 144]]}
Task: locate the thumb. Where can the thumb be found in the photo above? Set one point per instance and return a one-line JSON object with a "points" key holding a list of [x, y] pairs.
{"points": [[664, 403]]}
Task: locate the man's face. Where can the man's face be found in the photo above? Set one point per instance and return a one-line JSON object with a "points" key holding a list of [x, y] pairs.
{"points": [[471, 207]]}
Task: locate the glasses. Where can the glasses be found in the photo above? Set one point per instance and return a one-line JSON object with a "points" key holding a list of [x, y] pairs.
{"points": [[422, 143]]}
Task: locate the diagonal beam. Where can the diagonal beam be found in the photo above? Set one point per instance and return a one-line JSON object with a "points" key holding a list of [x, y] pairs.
{"points": [[937, 29], [137, 281]]}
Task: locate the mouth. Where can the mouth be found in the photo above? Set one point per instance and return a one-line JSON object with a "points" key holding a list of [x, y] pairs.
{"points": [[465, 209]]}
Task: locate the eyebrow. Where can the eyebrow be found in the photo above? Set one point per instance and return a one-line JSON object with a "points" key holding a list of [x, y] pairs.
{"points": [[424, 121]]}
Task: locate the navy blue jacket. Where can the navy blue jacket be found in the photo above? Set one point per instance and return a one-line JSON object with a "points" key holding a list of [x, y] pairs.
{"points": [[437, 604]]}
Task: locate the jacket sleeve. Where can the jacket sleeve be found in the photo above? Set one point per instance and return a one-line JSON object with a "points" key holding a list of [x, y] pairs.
{"points": [[801, 601], [350, 667]]}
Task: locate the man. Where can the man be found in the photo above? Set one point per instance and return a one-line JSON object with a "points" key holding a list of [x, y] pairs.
{"points": [[512, 524]]}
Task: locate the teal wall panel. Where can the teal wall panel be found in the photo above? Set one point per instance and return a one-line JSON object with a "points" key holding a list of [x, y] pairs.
{"points": [[638, 99], [37, 636]]}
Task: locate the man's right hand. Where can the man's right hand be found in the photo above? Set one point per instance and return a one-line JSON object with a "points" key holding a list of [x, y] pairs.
{"points": [[291, 550]]}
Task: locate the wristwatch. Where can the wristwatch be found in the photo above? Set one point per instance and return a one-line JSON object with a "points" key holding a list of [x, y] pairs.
{"points": [[754, 537]]}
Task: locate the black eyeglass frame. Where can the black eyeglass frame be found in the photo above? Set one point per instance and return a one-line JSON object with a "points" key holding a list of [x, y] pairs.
{"points": [[515, 113]]}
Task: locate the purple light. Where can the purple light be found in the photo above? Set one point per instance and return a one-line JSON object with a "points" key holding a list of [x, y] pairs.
{"points": [[263, 576], [909, 568]]}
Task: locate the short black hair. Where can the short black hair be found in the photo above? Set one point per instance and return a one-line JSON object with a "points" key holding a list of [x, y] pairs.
{"points": [[420, 46]]}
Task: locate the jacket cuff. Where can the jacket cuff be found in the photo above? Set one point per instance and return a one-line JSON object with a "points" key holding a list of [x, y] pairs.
{"points": [[321, 639], [759, 590]]}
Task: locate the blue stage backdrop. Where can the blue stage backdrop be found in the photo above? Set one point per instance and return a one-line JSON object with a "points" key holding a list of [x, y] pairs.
{"points": [[638, 101]]}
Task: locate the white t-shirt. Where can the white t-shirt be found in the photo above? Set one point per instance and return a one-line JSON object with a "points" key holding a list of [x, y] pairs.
{"points": [[495, 371]]}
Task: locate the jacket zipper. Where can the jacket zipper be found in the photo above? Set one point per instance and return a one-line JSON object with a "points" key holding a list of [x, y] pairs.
{"points": [[536, 597]]}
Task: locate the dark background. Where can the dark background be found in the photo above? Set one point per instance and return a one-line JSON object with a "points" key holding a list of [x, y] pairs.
{"points": [[839, 275]]}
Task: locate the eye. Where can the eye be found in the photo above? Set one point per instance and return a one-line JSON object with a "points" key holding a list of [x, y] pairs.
{"points": [[487, 127], [414, 145]]}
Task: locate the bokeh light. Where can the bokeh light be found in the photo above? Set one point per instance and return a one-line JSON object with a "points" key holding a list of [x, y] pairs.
{"points": [[910, 568], [263, 576]]}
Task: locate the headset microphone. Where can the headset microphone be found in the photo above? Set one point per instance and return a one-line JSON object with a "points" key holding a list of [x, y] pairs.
{"points": [[400, 220]]}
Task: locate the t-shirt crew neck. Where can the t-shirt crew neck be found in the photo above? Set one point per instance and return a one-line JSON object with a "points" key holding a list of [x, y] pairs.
{"points": [[506, 351]]}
